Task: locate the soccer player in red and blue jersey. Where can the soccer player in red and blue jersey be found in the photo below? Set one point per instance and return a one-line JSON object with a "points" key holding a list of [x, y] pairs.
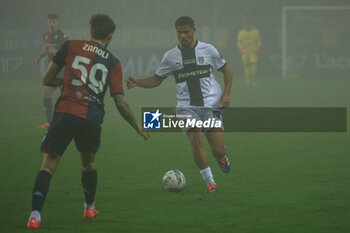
{"points": [[89, 69], [53, 40]]}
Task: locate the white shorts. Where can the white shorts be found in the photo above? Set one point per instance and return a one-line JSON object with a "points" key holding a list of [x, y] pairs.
{"points": [[210, 117]]}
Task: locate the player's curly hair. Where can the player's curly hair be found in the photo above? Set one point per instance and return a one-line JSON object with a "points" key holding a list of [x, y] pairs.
{"points": [[184, 20], [101, 26]]}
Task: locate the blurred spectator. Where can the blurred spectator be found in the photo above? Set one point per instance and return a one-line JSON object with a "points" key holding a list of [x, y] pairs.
{"points": [[249, 43]]}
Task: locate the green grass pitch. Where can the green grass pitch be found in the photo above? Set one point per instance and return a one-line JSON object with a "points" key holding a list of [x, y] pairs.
{"points": [[279, 182]]}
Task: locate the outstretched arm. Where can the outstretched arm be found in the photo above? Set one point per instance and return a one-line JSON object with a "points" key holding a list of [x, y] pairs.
{"points": [[124, 109], [225, 97], [149, 82]]}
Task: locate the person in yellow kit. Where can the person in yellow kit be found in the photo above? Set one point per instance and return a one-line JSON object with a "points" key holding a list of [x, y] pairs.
{"points": [[249, 43]]}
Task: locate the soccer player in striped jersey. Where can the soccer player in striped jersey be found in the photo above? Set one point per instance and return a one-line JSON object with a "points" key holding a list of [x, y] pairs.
{"points": [[53, 40], [89, 70], [198, 93]]}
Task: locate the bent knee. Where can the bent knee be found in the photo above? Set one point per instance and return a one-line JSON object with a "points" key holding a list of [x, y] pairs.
{"points": [[49, 170], [50, 162], [89, 166]]}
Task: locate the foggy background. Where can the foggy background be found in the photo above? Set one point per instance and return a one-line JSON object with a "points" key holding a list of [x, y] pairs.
{"points": [[318, 42]]}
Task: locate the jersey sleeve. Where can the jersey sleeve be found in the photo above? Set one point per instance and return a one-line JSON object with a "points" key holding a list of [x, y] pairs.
{"points": [[164, 69], [218, 61], [115, 81], [60, 57]]}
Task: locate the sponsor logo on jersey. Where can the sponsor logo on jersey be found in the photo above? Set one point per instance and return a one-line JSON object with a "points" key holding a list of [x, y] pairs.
{"points": [[195, 72]]}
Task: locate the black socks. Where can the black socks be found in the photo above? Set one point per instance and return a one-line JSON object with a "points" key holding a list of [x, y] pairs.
{"points": [[40, 189], [89, 182]]}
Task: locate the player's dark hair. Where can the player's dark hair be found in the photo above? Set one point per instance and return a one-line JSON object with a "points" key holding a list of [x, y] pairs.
{"points": [[101, 26], [52, 16], [184, 20]]}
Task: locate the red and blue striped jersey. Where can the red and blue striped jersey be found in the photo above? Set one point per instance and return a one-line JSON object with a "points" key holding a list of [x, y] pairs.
{"points": [[55, 39], [89, 69]]}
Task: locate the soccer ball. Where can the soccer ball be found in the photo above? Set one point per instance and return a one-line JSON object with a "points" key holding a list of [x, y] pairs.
{"points": [[174, 181]]}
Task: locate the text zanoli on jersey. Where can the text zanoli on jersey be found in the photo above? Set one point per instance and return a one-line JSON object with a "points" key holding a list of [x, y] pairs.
{"points": [[95, 49]]}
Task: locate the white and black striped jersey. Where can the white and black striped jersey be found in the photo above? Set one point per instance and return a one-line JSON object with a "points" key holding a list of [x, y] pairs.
{"points": [[193, 72]]}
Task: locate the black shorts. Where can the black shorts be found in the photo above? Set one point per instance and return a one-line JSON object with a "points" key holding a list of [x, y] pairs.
{"points": [[64, 127]]}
